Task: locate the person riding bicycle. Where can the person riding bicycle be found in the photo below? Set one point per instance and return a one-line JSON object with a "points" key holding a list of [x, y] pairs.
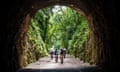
{"points": [[61, 55], [64, 52], [51, 52], [56, 55]]}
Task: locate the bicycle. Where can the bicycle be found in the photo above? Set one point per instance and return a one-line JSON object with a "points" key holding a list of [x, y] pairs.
{"points": [[61, 58], [56, 58]]}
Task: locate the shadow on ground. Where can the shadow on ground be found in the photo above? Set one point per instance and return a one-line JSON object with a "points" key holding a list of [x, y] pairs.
{"points": [[85, 69]]}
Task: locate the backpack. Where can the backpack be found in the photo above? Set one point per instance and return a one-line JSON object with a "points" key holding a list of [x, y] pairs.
{"points": [[61, 51], [56, 52]]}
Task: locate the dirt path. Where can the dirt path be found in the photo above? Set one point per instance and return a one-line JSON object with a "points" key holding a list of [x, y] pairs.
{"points": [[47, 63], [70, 63]]}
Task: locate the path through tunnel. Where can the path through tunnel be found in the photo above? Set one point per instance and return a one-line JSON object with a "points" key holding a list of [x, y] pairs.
{"points": [[99, 17], [58, 27]]}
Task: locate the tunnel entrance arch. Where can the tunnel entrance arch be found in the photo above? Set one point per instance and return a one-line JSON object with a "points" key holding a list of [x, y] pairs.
{"points": [[95, 18]]}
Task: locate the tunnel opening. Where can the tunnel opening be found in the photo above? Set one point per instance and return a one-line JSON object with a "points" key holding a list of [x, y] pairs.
{"points": [[95, 12], [92, 46], [59, 26]]}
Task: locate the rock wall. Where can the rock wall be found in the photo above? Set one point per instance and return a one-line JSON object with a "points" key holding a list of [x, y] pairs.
{"points": [[100, 15]]}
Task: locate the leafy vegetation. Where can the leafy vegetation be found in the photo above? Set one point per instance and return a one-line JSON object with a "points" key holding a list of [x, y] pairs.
{"points": [[58, 26]]}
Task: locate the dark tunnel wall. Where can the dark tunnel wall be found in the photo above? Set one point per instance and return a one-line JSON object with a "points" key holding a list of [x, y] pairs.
{"points": [[102, 23]]}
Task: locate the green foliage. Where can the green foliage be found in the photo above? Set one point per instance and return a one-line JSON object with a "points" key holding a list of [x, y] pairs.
{"points": [[59, 26], [35, 38]]}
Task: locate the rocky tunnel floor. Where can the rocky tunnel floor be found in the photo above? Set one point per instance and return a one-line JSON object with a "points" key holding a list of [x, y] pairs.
{"points": [[70, 64]]}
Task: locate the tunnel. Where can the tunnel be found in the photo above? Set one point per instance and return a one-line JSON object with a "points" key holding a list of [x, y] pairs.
{"points": [[100, 15]]}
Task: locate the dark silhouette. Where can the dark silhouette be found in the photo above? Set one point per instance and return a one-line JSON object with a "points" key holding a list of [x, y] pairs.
{"points": [[56, 55]]}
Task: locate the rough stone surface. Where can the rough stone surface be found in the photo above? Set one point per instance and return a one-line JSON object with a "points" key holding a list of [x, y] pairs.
{"points": [[100, 14]]}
